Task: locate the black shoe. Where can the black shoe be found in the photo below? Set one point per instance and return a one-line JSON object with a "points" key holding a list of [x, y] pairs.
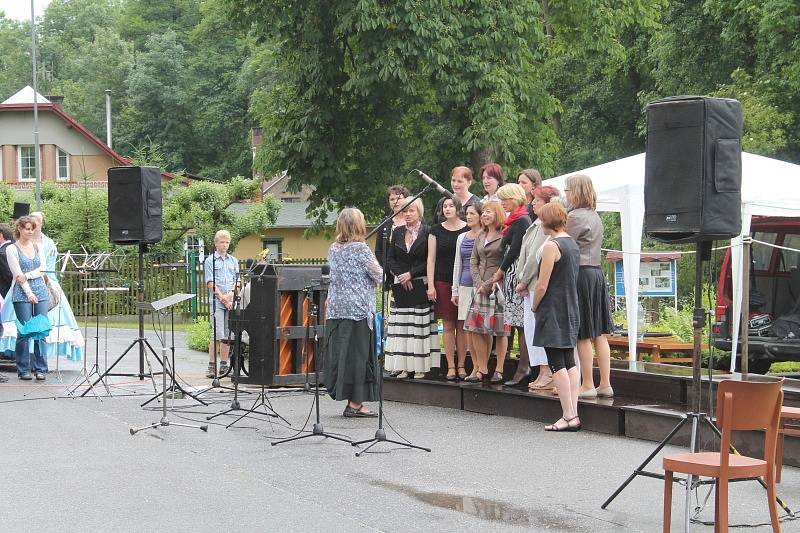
{"points": [[26, 376], [523, 379], [496, 378], [349, 412]]}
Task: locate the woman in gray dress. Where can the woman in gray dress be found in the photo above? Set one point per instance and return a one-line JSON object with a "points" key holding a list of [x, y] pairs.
{"points": [[350, 362], [555, 302]]}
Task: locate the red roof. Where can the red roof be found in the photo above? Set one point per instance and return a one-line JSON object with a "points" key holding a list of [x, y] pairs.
{"points": [[74, 124]]}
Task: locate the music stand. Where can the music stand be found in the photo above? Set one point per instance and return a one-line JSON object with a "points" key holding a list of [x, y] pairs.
{"points": [[169, 302], [159, 306]]}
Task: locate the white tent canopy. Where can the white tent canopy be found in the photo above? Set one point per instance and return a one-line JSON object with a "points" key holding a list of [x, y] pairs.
{"points": [[769, 187]]}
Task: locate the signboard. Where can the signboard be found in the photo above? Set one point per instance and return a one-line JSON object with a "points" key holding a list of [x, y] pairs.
{"points": [[656, 278]]}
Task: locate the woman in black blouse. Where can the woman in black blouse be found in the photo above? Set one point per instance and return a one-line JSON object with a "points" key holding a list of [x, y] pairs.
{"points": [[441, 258], [412, 340], [512, 198]]}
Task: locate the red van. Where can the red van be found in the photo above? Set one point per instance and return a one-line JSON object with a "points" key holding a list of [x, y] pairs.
{"points": [[774, 295]]}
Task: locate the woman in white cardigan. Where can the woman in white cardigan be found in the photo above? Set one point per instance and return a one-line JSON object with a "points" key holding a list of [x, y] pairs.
{"points": [[526, 277], [462, 289], [28, 295]]}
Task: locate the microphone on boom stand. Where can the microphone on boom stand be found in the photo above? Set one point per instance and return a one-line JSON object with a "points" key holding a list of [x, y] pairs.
{"points": [[435, 183]]}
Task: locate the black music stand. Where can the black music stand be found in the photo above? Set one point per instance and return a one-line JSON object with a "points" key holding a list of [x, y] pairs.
{"points": [[158, 305], [237, 323]]}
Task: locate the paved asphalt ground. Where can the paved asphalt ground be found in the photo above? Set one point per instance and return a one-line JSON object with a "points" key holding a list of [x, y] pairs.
{"points": [[70, 464]]}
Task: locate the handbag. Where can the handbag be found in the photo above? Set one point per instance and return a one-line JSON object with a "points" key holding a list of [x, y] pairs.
{"points": [[53, 294]]}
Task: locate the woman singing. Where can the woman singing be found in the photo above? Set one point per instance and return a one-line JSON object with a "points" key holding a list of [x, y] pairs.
{"points": [[485, 319], [492, 177], [527, 274], [585, 226], [350, 362], [555, 302], [412, 340], [512, 198], [28, 294], [441, 258], [460, 182], [462, 290]]}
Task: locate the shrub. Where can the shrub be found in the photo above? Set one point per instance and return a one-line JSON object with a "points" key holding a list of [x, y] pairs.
{"points": [[198, 336], [785, 367]]}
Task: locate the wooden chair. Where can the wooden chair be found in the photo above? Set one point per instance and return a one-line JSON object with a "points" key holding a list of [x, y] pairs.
{"points": [[789, 425], [741, 406]]}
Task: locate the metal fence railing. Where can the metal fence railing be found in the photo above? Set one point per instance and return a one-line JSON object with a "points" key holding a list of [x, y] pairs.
{"points": [[162, 276]]}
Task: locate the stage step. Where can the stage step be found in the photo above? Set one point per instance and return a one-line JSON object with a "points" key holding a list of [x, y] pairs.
{"points": [[646, 405]]}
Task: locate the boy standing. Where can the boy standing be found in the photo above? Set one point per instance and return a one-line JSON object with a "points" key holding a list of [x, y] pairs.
{"points": [[221, 271]]}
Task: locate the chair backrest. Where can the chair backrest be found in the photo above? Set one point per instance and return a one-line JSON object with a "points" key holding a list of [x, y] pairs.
{"points": [[750, 405]]}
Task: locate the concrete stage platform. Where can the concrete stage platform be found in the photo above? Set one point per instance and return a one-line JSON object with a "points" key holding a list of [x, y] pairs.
{"points": [[648, 403]]}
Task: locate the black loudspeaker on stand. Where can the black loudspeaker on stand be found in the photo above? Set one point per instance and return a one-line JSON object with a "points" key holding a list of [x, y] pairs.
{"points": [[693, 169], [693, 176], [134, 205], [311, 325], [380, 434]]}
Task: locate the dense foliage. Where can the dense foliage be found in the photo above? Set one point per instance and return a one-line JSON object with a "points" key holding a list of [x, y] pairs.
{"points": [[353, 94]]}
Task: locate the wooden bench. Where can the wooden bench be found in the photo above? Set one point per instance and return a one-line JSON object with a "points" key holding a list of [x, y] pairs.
{"points": [[656, 347]]}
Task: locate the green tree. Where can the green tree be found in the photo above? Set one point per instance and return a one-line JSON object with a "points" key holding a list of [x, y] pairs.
{"points": [[203, 207], [220, 141], [15, 61], [103, 63], [68, 25], [364, 87], [157, 109]]}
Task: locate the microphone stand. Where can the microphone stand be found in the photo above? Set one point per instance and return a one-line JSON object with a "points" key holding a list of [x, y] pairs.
{"points": [[317, 429], [380, 433]]}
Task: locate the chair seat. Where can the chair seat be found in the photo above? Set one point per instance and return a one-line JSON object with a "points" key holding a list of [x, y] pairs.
{"points": [[707, 464]]}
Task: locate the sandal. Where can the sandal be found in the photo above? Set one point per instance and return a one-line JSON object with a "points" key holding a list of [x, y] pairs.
{"points": [[554, 427], [462, 373], [497, 377], [476, 378], [451, 377]]}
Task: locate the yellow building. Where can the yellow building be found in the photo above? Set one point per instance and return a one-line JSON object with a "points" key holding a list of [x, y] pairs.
{"points": [[285, 239]]}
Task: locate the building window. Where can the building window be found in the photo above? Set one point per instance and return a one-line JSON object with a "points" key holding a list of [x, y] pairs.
{"points": [[275, 248], [27, 163], [62, 165]]}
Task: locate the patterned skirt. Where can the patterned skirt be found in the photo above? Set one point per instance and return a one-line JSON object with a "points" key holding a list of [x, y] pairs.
{"points": [[514, 314], [486, 315], [412, 339]]}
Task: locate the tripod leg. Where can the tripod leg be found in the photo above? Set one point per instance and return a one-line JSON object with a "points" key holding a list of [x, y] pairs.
{"points": [[407, 445], [640, 469], [365, 450]]}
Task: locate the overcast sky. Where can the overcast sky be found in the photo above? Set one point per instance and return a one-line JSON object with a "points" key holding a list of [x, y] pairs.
{"points": [[21, 9]]}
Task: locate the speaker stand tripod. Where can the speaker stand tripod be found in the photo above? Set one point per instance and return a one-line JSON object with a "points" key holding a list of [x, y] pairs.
{"points": [[141, 342], [695, 416], [380, 433], [316, 430]]}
